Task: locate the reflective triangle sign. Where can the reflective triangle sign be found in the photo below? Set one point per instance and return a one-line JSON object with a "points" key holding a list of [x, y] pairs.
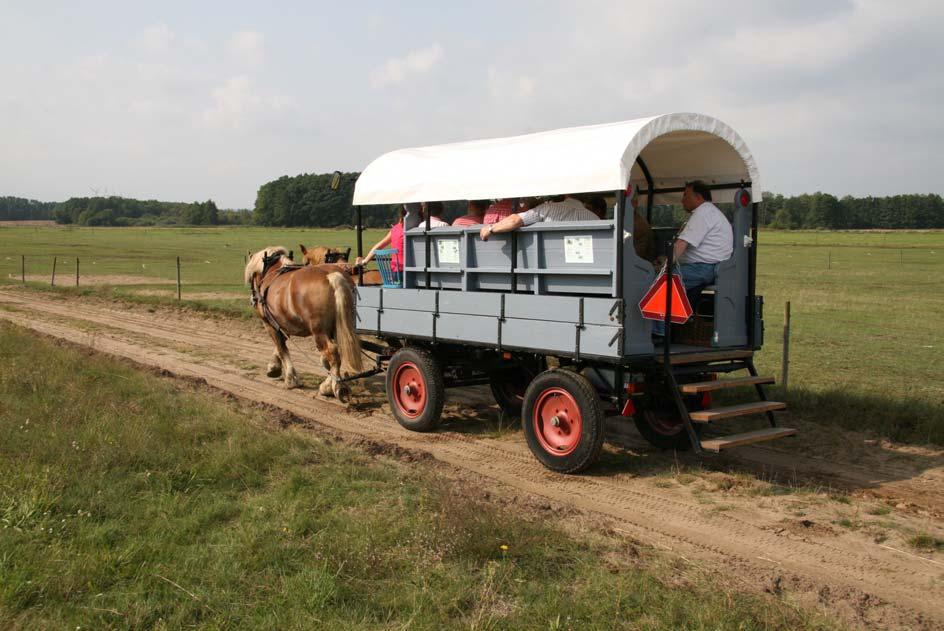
{"points": [[652, 305]]}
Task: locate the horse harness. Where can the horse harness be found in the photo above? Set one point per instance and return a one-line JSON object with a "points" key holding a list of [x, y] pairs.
{"points": [[257, 298]]}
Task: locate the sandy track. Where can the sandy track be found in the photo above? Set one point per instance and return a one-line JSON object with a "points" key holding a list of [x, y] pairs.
{"points": [[759, 540]]}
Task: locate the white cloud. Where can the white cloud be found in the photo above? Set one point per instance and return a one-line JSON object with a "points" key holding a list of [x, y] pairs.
{"points": [[248, 48], [157, 38], [237, 105], [414, 63]]}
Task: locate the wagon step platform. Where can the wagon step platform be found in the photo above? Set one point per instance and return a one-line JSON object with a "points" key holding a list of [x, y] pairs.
{"points": [[746, 438], [743, 409], [720, 384]]}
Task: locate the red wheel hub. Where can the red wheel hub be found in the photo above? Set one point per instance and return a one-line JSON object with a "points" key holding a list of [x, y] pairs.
{"points": [[409, 390], [557, 421]]}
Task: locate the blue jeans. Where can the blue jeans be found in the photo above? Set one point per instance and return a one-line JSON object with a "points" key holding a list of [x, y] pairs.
{"points": [[695, 277]]}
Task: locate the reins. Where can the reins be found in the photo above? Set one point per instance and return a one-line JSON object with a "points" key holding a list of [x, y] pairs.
{"points": [[257, 298]]}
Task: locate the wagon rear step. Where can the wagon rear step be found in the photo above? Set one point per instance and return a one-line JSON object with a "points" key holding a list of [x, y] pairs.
{"points": [[685, 393], [742, 409], [746, 438]]}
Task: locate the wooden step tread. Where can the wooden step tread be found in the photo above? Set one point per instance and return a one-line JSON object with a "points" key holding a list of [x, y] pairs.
{"points": [[704, 357], [720, 384], [736, 440], [743, 409]]}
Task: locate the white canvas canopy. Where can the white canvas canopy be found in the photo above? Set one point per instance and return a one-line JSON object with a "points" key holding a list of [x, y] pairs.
{"points": [[599, 158]]}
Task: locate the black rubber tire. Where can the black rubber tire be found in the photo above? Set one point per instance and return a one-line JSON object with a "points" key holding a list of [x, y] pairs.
{"points": [[510, 384], [426, 417], [658, 420], [589, 441]]}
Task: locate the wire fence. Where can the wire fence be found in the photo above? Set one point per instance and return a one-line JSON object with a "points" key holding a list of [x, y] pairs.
{"points": [[168, 276]]}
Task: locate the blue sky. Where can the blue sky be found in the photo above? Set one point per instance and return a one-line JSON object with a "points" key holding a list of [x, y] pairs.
{"points": [[189, 101]]}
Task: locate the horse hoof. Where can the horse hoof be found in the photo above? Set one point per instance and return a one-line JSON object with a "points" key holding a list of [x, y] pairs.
{"points": [[342, 394], [275, 373]]}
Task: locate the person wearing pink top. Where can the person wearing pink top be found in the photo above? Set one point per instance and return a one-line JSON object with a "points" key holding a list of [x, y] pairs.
{"points": [[394, 239], [476, 214]]}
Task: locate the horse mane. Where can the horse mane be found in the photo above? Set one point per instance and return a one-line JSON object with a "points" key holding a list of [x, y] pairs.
{"points": [[254, 266]]}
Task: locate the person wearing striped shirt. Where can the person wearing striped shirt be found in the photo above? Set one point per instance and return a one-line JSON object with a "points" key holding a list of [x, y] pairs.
{"points": [[563, 208]]}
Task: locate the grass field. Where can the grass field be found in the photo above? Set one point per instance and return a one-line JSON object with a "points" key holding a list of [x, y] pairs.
{"points": [[867, 308], [129, 502]]}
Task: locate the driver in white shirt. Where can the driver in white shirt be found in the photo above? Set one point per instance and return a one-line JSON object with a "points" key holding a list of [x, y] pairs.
{"points": [[706, 240]]}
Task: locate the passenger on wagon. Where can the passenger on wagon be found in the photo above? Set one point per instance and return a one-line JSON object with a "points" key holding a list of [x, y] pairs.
{"points": [[643, 238], [435, 210], [476, 214], [498, 210], [393, 239], [562, 208], [706, 240]]}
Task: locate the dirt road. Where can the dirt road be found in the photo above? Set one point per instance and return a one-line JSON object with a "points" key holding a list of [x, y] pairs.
{"points": [[825, 527]]}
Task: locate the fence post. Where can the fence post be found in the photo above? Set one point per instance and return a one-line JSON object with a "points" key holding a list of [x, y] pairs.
{"points": [[178, 278], [53, 282], [23, 267], [829, 259], [76, 271], [785, 365]]}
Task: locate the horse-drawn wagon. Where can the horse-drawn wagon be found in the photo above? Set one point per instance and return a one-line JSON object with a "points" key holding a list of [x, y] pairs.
{"points": [[549, 315]]}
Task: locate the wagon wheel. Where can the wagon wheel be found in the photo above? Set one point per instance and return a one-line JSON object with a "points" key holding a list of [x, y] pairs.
{"points": [[563, 421], [415, 389], [509, 385], [659, 422]]}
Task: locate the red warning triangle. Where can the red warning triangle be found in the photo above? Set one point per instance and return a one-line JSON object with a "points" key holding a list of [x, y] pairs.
{"points": [[652, 304]]}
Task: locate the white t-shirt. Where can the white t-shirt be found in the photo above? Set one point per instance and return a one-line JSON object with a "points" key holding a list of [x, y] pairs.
{"points": [[434, 222], [709, 236]]}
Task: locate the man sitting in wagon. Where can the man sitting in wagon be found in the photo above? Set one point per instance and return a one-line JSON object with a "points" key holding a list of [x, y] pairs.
{"points": [[706, 240], [561, 208]]}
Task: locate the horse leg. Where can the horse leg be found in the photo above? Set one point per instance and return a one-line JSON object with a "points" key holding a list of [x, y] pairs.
{"points": [[282, 358], [274, 369], [331, 386]]}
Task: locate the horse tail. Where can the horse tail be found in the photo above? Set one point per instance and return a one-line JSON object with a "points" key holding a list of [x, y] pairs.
{"points": [[349, 344]]}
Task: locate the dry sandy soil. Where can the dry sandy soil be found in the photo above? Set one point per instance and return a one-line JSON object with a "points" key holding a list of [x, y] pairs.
{"points": [[823, 520]]}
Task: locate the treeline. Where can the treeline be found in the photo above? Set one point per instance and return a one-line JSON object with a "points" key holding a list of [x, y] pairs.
{"points": [[307, 200], [123, 211], [822, 210], [22, 209]]}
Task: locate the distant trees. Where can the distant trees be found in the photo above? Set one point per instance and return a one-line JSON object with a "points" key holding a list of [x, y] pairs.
{"points": [[822, 210], [21, 209], [122, 211], [307, 200]]}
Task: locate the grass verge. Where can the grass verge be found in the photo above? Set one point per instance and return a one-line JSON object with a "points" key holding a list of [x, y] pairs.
{"points": [[126, 502]]}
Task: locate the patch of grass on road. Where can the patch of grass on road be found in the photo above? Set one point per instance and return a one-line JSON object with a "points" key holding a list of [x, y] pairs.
{"points": [[126, 502]]}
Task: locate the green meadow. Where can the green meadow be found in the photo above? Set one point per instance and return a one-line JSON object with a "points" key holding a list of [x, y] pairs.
{"points": [[867, 307]]}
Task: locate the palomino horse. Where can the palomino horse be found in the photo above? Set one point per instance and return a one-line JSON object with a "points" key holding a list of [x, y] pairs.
{"points": [[320, 255], [310, 300]]}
